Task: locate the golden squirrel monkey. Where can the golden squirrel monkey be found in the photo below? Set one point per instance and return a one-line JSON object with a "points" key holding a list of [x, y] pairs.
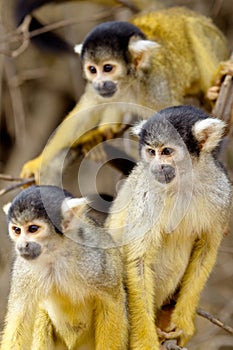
{"points": [[66, 287], [169, 217], [154, 61]]}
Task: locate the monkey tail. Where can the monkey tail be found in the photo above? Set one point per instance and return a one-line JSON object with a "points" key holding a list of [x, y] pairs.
{"points": [[48, 41]]}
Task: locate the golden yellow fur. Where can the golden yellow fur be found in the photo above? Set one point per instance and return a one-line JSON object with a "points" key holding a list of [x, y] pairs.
{"points": [[191, 47], [170, 234]]}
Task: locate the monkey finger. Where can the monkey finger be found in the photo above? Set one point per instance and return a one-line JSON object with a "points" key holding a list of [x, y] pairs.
{"points": [[169, 335], [213, 92], [31, 169]]}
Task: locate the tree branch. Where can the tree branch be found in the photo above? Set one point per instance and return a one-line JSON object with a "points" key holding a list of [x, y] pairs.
{"points": [[214, 320]]}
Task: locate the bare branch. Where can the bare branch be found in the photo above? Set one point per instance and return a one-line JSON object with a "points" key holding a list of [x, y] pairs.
{"points": [[129, 5], [6, 177], [24, 182], [214, 320], [223, 108]]}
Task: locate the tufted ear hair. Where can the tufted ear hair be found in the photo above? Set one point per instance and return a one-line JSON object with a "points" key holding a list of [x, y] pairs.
{"points": [[141, 50], [72, 208], [78, 48], [208, 133], [137, 128], [6, 208]]}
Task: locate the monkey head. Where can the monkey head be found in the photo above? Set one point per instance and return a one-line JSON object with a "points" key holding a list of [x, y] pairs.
{"points": [[173, 141], [34, 216], [110, 53]]}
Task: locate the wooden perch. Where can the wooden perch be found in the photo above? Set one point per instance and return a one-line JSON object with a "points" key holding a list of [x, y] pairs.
{"points": [[223, 108]]}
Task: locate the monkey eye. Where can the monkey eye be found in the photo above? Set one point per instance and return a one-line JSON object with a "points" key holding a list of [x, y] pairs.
{"points": [[33, 228], [17, 230], [92, 70], [167, 151], [151, 152], [108, 68]]}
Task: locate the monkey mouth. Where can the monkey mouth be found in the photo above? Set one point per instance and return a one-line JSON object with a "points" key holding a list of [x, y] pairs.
{"points": [[107, 93], [165, 174], [29, 256], [30, 250]]}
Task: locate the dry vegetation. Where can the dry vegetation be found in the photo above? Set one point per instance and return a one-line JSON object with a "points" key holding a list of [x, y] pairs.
{"points": [[37, 89]]}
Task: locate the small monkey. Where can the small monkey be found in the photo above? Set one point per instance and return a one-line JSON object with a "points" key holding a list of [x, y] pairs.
{"points": [[153, 62], [67, 277], [170, 216]]}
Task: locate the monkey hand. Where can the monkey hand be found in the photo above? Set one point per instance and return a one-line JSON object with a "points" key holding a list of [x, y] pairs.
{"points": [[181, 328], [32, 169], [225, 68]]}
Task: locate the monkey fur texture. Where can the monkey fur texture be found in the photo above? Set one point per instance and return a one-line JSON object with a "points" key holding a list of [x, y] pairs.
{"points": [[133, 69], [66, 287], [169, 217]]}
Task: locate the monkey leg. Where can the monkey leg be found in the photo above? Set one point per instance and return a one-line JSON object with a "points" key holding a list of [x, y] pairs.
{"points": [[111, 323], [19, 321], [143, 333], [43, 333], [201, 262], [16, 336]]}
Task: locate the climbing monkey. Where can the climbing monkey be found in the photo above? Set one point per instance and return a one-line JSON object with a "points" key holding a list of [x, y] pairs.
{"points": [[154, 61]]}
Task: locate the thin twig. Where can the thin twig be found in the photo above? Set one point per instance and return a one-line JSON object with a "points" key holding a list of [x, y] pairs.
{"points": [[129, 5], [7, 177], [23, 32], [214, 320], [24, 182]]}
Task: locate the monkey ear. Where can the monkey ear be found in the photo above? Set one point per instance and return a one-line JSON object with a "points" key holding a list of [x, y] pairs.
{"points": [[136, 129], [141, 50], [209, 132], [71, 208], [78, 48], [6, 208]]}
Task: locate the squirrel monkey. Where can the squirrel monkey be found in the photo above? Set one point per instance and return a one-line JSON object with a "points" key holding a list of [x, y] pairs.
{"points": [[154, 61], [170, 216], [67, 277]]}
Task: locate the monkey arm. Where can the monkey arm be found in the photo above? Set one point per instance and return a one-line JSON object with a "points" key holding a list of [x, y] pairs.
{"points": [[85, 126], [139, 284], [201, 263], [43, 333], [19, 322], [111, 324]]}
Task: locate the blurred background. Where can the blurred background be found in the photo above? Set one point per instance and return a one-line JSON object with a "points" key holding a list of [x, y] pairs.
{"points": [[37, 90]]}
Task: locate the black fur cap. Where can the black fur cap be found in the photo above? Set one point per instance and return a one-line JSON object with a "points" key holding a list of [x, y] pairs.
{"points": [[160, 127], [111, 37], [38, 202]]}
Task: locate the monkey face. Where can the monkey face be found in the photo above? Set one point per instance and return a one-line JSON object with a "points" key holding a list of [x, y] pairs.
{"points": [[27, 238], [104, 76], [161, 162]]}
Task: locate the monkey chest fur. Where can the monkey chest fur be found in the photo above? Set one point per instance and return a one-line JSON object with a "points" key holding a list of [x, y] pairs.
{"points": [[73, 321]]}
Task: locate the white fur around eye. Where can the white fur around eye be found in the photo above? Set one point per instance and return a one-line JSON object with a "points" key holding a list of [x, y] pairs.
{"points": [[209, 132]]}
